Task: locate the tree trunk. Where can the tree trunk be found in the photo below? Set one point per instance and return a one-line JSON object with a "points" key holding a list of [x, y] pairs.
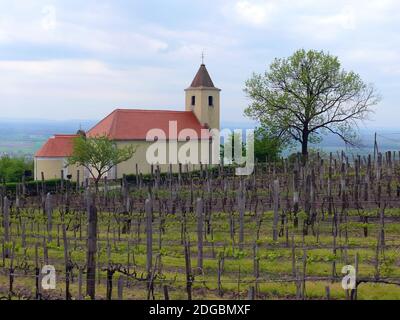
{"points": [[96, 185], [91, 252], [304, 145]]}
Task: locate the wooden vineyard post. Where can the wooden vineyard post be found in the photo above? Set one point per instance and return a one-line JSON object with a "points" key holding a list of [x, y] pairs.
{"points": [[251, 294], [377, 260], [256, 267], [200, 219], [354, 291], [80, 281], [23, 235], [365, 220], [91, 252], [49, 213], [62, 181], [98, 262], [149, 235], [307, 204], [303, 282], [293, 256], [120, 285], [68, 266], [330, 200], [11, 272], [43, 191], [148, 208], [276, 210], [220, 269], [242, 208], [137, 174], [110, 274], [188, 269], [166, 294], [328, 292], [6, 222], [37, 273], [295, 198], [382, 227], [45, 252]]}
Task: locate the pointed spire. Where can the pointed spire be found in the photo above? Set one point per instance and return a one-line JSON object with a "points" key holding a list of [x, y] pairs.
{"points": [[202, 78]]}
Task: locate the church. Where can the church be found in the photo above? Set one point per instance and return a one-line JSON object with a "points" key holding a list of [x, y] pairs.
{"points": [[132, 126]]}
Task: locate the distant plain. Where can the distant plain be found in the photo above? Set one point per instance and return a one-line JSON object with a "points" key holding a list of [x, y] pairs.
{"points": [[25, 137]]}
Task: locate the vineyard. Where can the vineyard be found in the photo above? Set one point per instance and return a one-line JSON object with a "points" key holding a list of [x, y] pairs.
{"points": [[285, 232]]}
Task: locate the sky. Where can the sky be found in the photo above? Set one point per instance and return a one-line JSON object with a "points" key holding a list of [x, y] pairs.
{"points": [[73, 59]]}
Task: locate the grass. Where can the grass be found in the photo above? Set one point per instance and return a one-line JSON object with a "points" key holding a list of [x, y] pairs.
{"points": [[275, 258]]}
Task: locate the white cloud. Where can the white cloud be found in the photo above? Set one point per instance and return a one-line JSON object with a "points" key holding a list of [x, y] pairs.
{"points": [[49, 20], [81, 88], [380, 61], [254, 13], [327, 27], [321, 20], [54, 29], [114, 47]]}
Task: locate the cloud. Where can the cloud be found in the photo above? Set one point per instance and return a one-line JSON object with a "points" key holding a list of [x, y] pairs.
{"points": [[81, 88], [381, 61], [88, 57], [327, 27], [254, 13], [50, 26], [49, 20], [321, 20]]}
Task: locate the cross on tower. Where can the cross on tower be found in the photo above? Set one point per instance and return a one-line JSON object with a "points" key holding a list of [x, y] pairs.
{"points": [[202, 57]]}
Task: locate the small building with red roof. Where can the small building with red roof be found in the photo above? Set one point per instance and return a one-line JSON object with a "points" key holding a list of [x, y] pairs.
{"points": [[52, 157], [142, 128]]}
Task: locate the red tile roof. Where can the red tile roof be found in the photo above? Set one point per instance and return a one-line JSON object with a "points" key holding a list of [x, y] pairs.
{"points": [[60, 145], [126, 124], [133, 124]]}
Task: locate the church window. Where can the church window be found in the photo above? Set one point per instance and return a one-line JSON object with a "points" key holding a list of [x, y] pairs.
{"points": [[210, 101], [193, 100]]}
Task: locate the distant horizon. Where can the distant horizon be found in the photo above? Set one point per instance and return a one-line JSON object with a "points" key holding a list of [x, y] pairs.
{"points": [[241, 124], [25, 136], [76, 60]]}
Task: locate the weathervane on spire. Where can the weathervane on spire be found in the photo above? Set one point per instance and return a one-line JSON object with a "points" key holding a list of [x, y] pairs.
{"points": [[202, 57]]}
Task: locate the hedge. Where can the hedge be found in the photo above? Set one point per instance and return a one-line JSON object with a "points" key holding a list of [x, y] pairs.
{"points": [[31, 187]]}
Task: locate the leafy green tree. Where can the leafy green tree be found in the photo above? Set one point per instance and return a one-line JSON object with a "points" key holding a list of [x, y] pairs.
{"points": [[98, 155], [266, 146], [307, 95], [12, 169]]}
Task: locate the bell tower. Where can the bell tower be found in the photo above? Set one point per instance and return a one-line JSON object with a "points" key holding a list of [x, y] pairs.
{"points": [[202, 98]]}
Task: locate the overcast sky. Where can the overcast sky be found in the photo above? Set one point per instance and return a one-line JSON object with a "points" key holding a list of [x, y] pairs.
{"points": [[81, 59]]}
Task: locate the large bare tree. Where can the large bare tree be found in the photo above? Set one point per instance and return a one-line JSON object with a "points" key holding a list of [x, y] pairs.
{"points": [[307, 95]]}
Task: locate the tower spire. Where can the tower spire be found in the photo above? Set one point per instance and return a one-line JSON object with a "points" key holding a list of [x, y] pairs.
{"points": [[202, 78]]}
